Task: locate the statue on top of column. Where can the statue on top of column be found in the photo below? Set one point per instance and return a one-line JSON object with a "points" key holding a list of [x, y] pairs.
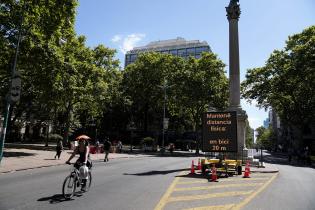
{"points": [[233, 2], [233, 10]]}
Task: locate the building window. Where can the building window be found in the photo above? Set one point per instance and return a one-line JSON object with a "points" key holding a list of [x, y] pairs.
{"points": [[133, 57], [127, 58], [191, 51], [182, 52], [173, 52], [199, 50]]}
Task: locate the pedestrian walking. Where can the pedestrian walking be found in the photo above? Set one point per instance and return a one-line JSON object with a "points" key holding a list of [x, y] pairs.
{"points": [[119, 146], [171, 148], [97, 146], [107, 146], [59, 149], [290, 154]]}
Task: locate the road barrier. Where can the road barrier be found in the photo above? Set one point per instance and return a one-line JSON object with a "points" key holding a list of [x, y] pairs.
{"points": [[192, 169], [214, 175], [247, 170], [199, 164]]}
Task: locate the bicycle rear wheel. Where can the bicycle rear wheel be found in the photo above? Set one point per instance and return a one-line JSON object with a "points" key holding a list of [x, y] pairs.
{"points": [[69, 186]]}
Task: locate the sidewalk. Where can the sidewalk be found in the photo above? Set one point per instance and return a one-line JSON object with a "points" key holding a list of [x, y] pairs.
{"points": [[269, 168], [17, 159]]}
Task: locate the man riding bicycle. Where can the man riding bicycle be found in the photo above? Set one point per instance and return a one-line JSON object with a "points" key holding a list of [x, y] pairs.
{"points": [[83, 163]]}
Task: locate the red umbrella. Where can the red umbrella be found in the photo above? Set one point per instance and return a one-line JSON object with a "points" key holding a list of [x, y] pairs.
{"points": [[83, 137]]}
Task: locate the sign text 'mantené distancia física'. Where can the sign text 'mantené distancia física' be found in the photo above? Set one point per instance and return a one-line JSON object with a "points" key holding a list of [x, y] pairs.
{"points": [[220, 132]]}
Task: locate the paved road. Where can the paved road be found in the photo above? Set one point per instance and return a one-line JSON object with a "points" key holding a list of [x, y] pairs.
{"points": [[293, 189], [136, 183], [150, 182]]}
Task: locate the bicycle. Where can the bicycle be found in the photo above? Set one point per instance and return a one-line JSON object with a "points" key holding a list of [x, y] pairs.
{"points": [[73, 181]]}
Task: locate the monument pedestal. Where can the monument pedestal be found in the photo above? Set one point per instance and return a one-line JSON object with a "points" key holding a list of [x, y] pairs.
{"points": [[241, 132]]}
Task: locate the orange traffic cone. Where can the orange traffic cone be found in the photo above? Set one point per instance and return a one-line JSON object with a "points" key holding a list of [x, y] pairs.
{"points": [[199, 164], [247, 171], [192, 169], [214, 176]]}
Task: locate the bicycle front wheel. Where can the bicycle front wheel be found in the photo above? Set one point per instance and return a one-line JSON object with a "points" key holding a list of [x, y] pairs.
{"points": [[69, 186]]}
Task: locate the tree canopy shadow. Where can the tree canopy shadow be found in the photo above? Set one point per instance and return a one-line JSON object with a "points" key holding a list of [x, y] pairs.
{"points": [[17, 154], [282, 159], [150, 173]]}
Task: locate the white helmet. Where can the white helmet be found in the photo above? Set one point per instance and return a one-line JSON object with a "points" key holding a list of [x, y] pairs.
{"points": [[83, 170]]}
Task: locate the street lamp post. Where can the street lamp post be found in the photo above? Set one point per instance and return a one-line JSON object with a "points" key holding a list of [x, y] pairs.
{"points": [[165, 122], [163, 130]]}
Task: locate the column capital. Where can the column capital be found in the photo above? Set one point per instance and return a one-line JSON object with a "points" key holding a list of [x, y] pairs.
{"points": [[233, 10]]}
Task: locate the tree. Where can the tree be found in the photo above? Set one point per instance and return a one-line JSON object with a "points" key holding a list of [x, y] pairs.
{"points": [[142, 82], [192, 83], [264, 137], [41, 24], [61, 77], [200, 84], [249, 140], [286, 82]]}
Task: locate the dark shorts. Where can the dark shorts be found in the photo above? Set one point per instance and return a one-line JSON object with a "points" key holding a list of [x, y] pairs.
{"points": [[78, 164]]}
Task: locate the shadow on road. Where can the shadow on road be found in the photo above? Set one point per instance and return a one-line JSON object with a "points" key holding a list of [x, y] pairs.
{"points": [[58, 198], [282, 159], [166, 154], [150, 173], [17, 154]]}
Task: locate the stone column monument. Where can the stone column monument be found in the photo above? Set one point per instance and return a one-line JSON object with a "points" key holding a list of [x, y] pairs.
{"points": [[233, 14]]}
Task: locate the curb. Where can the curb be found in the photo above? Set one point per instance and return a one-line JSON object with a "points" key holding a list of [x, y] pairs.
{"points": [[59, 164], [265, 172]]}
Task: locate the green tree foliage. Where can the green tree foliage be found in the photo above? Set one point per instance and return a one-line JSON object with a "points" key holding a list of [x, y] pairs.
{"points": [[264, 137], [200, 84], [41, 24], [61, 77], [249, 135], [192, 85], [142, 82], [286, 82]]}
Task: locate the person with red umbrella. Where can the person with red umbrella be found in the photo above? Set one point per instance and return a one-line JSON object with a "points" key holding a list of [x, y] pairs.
{"points": [[84, 151]]}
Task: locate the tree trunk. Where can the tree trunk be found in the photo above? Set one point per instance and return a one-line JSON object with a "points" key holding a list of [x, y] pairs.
{"points": [[67, 125], [146, 110]]}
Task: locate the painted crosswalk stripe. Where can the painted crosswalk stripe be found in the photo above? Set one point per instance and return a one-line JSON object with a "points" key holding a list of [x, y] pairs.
{"points": [[207, 196], [222, 207], [217, 186], [252, 196], [166, 195]]}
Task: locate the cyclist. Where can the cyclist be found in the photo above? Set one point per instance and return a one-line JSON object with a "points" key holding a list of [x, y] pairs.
{"points": [[83, 162]]}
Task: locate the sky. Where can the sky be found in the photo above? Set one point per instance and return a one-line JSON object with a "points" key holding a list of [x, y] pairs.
{"points": [[264, 26]]}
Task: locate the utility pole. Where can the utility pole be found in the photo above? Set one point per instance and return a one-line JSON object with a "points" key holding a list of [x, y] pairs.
{"points": [[15, 89]]}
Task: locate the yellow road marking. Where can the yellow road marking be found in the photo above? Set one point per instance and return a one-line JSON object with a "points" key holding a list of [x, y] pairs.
{"points": [[224, 180], [206, 196], [163, 200], [249, 198], [223, 207], [166, 197], [217, 186]]}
